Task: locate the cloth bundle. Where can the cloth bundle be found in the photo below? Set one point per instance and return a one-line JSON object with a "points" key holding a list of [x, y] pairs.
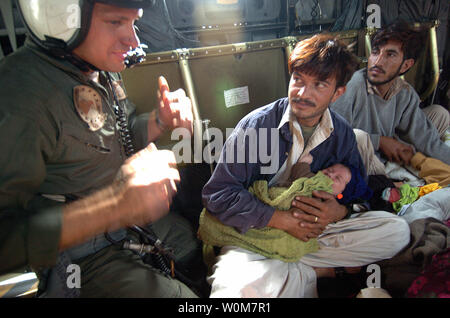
{"points": [[269, 242], [406, 194]]}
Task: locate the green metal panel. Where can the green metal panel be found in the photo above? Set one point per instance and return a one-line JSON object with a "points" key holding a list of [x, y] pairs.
{"points": [[262, 74], [141, 83]]}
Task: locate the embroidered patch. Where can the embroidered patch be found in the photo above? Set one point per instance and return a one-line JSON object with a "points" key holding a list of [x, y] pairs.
{"points": [[120, 92], [88, 104]]}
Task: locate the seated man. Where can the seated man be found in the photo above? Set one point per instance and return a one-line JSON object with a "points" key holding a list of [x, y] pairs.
{"points": [[303, 129], [345, 183], [380, 105]]}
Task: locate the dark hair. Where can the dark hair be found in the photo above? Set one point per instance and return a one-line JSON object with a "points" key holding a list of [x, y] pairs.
{"points": [[411, 38], [324, 56]]}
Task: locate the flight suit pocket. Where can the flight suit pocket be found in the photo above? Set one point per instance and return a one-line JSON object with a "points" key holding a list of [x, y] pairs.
{"points": [[79, 140], [84, 160]]}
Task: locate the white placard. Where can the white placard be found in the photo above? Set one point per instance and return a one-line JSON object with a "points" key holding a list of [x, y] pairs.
{"points": [[236, 96]]}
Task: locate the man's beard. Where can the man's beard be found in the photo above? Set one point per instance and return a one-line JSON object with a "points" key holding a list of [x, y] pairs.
{"points": [[374, 83]]}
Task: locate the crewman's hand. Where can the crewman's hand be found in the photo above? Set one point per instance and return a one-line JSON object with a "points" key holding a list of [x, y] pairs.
{"points": [[174, 108], [147, 183], [396, 151]]}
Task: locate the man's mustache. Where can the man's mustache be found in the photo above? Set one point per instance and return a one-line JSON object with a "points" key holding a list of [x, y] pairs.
{"points": [[377, 68], [303, 101]]}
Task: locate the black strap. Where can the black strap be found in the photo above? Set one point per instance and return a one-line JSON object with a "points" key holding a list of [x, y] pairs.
{"points": [[164, 258]]}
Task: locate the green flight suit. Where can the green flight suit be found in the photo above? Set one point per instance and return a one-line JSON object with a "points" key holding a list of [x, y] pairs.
{"points": [[47, 149]]}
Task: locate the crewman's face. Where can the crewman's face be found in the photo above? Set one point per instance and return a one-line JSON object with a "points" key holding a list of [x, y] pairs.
{"points": [[309, 97], [111, 35], [386, 62]]}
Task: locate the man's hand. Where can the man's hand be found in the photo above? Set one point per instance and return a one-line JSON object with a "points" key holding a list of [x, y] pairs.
{"points": [[141, 194], [321, 209], [174, 108], [147, 181], [285, 220], [396, 151]]}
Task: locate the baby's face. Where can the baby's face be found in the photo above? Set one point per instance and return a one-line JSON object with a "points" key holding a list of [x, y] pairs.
{"points": [[340, 175]]}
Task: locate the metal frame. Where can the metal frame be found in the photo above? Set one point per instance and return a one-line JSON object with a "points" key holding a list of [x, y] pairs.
{"points": [[6, 8]]}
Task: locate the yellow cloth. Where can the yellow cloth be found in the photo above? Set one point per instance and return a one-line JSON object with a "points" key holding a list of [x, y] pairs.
{"points": [[269, 242], [429, 188], [431, 170]]}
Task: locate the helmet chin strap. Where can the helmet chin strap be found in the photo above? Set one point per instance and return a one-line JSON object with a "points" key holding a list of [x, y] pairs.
{"points": [[80, 63]]}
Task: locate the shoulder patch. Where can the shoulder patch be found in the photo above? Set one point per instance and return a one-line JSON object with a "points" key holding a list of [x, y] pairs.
{"points": [[89, 106]]}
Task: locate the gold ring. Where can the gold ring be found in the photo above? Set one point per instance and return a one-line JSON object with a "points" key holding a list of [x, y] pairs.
{"points": [[315, 220]]}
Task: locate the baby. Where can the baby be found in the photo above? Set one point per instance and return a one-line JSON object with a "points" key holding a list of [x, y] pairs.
{"points": [[341, 176]]}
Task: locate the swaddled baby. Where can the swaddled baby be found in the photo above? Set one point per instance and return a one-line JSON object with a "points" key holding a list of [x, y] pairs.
{"points": [[348, 183]]}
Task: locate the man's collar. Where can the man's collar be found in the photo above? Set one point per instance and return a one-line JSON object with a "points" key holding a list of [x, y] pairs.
{"points": [[325, 123], [286, 116], [397, 85]]}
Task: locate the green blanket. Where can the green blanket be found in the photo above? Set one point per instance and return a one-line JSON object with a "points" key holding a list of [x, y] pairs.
{"points": [[269, 242], [408, 195]]}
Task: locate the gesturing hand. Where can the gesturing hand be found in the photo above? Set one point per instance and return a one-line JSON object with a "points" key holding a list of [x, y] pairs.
{"points": [[175, 108], [147, 185]]}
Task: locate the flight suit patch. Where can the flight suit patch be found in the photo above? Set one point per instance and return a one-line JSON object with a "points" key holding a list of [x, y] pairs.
{"points": [[120, 92], [88, 104]]}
